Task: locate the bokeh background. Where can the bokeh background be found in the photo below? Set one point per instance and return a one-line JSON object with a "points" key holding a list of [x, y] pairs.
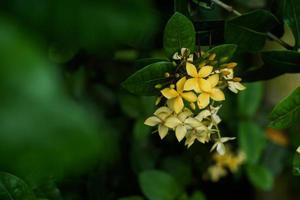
{"points": [[68, 130]]}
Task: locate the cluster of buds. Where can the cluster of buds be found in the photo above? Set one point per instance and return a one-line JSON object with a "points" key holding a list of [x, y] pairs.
{"points": [[229, 162], [192, 99]]}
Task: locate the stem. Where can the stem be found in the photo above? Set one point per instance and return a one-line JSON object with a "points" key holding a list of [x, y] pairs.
{"points": [[237, 13]]}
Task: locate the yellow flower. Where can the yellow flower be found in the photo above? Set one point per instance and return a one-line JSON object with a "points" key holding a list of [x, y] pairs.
{"points": [[175, 97], [298, 150], [194, 82], [178, 123], [201, 133], [160, 115], [209, 90]]}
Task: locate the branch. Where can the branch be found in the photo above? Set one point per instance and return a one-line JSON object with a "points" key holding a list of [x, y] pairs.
{"points": [[237, 13]]}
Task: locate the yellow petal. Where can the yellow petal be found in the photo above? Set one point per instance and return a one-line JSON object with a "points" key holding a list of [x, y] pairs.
{"points": [[189, 96], [163, 109], [180, 132], [169, 93], [217, 94], [193, 122], [178, 104], [205, 71], [204, 85], [172, 122], [192, 84], [213, 80], [180, 84], [184, 114], [239, 86], [152, 121], [193, 106], [162, 131], [203, 100], [191, 70]]}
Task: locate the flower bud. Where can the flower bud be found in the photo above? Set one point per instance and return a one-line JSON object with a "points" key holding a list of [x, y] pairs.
{"points": [[177, 75], [231, 65], [172, 86], [158, 86], [237, 79], [167, 74], [212, 57]]}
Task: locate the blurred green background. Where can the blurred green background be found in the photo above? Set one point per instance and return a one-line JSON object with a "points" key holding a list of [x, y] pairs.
{"points": [[69, 131]]}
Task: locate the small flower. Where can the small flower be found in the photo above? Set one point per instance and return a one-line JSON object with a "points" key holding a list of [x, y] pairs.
{"points": [[235, 86], [178, 123], [175, 97], [298, 150], [194, 82], [202, 134], [160, 115], [209, 90], [216, 172], [219, 144], [184, 53]]}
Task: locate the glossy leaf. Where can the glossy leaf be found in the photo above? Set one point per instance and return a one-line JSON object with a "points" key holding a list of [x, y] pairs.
{"points": [[275, 63], [249, 30], [224, 52], [158, 185], [13, 188], [250, 99], [179, 33], [260, 176], [251, 140], [143, 81], [197, 195], [287, 111]]}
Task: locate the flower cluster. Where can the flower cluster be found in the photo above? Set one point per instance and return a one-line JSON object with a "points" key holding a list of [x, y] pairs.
{"points": [[229, 162], [191, 100]]}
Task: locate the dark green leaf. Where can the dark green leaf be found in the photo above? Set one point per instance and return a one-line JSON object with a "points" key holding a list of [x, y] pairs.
{"points": [[13, 188], [250, 99], [291, 15], [251, 140], [197, 195], [260, 176], [287, 111], [141, 63], [296, 164], [179, 33], [249, 30], [158, 185], [275, 63], [143, 81]]}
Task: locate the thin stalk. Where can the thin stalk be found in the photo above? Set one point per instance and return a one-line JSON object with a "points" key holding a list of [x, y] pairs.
{"points": [[237, 13]]}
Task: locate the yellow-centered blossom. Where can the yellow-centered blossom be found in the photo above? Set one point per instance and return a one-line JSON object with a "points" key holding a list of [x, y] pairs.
{"points": [[234, 86], [175, 97], [160, 115], [194, 82], [209, 90]]}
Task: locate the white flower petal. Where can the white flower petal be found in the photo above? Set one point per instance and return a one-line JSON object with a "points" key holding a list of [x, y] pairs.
{"points": [[172, 122]]}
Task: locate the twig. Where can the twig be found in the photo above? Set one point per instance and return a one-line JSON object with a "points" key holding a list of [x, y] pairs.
{"points": [[237, 13]]}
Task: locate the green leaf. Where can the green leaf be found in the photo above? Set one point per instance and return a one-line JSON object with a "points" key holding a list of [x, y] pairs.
{"points": [[13, 188], [296, 164], [249, 30], [197, 195], [147, 61], [287, 111], [224, 52], [179, 33], [275, 63], [251, 140], [260, 176], [158, 185], [250, 99], [291, 15], [143, 81]]}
